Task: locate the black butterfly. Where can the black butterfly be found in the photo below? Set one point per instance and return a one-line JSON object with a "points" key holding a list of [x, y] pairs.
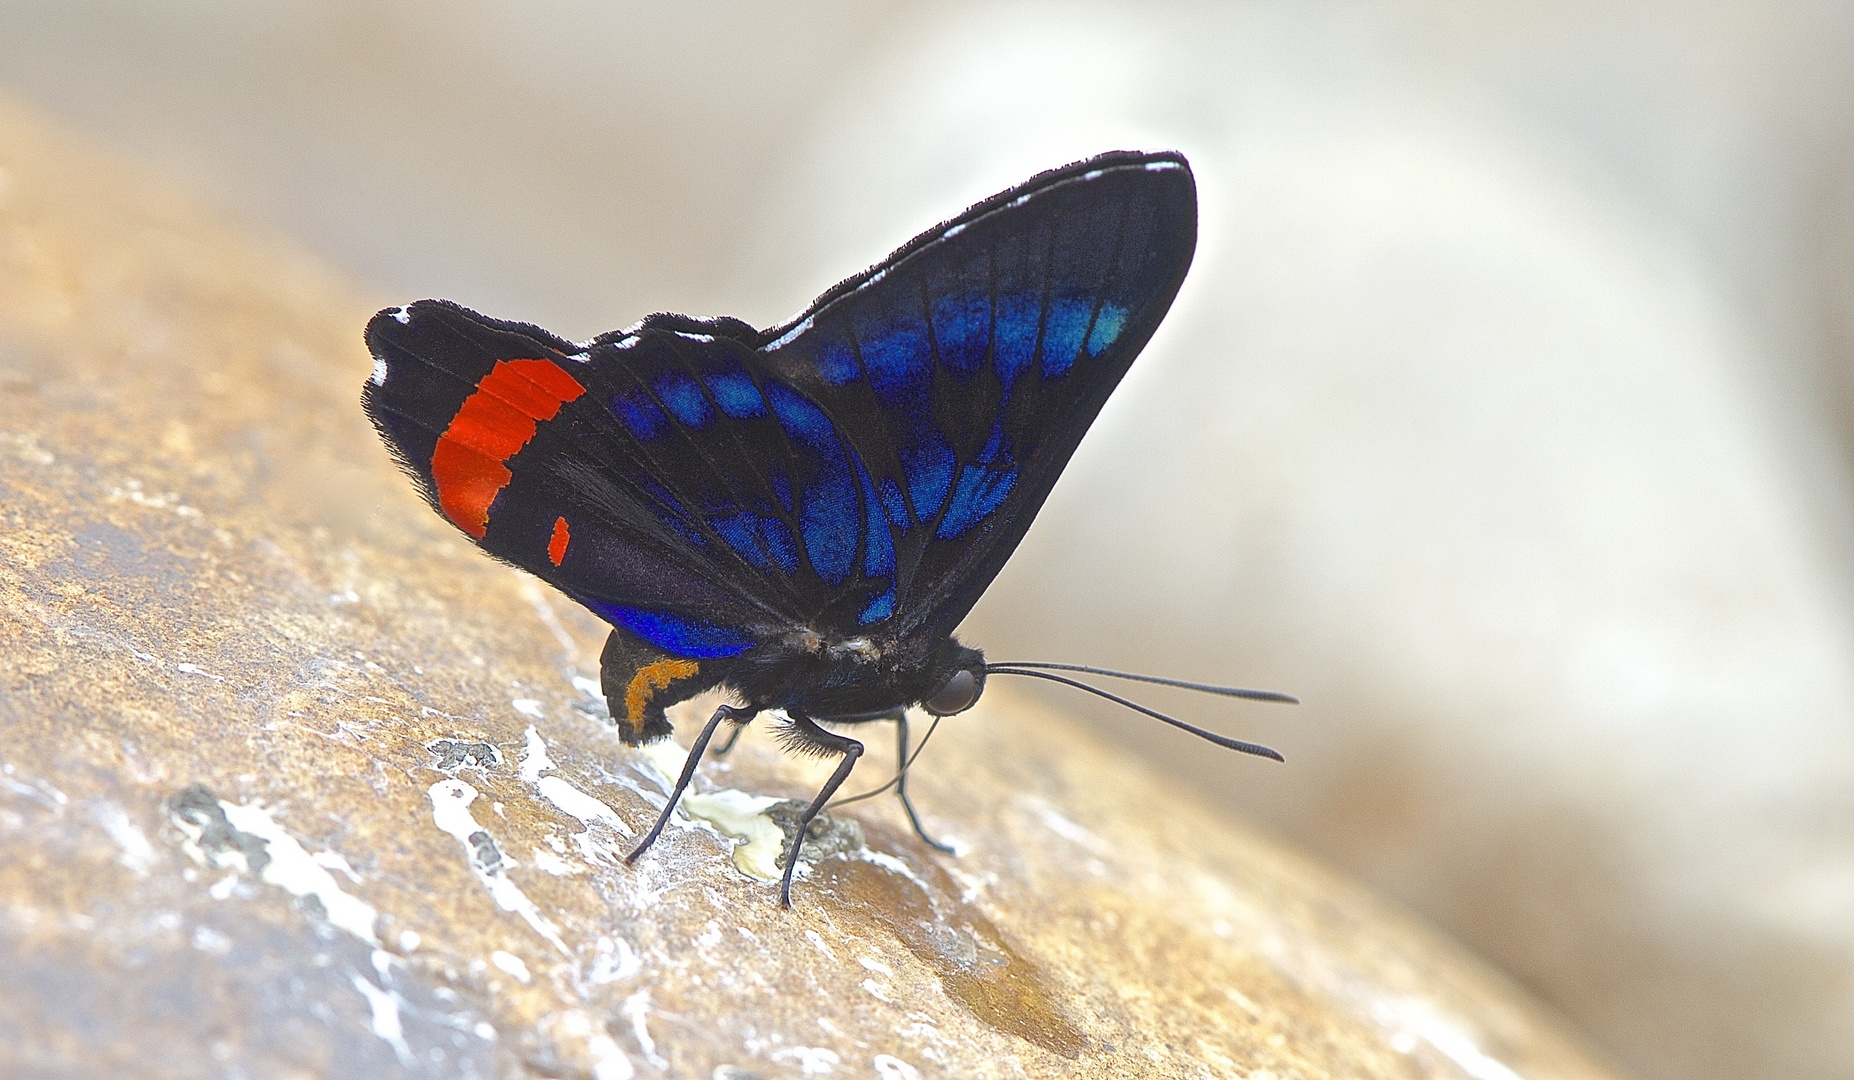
{"points": [[801, 515]]}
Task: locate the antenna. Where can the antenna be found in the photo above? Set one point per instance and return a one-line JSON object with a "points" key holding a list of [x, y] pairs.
{"points": [[1031, 670]]}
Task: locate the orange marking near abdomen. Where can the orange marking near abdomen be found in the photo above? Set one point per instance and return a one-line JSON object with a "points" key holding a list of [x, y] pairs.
{"points": [[651, 678], [556, 547], [469, 465]]}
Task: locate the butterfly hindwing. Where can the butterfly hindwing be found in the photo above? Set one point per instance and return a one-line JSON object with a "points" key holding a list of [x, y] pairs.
{"points": [[863, 470], [509, 433]]}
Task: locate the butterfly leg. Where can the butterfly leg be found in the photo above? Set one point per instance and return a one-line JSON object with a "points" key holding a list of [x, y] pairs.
{"points": [[733, 737], [811, 734], [725, 712], [901, 782]]}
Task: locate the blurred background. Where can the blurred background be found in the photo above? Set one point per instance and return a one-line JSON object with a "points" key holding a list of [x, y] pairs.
{"points": [[1504, 417]]}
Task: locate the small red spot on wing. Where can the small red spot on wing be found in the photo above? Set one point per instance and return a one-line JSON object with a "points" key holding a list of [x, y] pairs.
{"points": [[494, 423], [556, 548]]}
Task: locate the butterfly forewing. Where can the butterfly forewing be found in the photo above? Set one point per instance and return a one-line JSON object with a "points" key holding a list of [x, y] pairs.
{"points": [[863, 470], [965, 370]]}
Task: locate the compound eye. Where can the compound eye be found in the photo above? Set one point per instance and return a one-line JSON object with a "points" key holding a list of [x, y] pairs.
{"points": [[958, 695]]}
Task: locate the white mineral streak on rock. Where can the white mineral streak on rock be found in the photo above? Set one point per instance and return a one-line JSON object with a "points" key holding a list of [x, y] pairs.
{"points": [[742, 817], [334, 860], [888, 1067], [534, 759], [637, 1007], [510, 963], [812, 1060], [576, 803], [608, 1061], [134, 491], [1053, 820], [528, 706], [386, 1022], [971, 885], [893, 865], [817, 940], [295, 871], [137, 853], [879, 991], [206, 939], [553, 864], [450, 811], [616, 961]]}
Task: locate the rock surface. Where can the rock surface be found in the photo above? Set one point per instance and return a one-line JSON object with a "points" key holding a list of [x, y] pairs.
{"points": [[293, 782]]}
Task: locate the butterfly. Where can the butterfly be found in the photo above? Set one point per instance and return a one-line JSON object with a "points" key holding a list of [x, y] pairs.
{"points": [[801, 516]]}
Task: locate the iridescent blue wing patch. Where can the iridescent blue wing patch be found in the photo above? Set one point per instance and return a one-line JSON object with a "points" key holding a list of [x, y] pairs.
{"points": [[964, 370]]}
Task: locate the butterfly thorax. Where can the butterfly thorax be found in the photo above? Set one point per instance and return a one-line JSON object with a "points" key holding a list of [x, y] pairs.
{"points": [[862, 648], [853, 678]]}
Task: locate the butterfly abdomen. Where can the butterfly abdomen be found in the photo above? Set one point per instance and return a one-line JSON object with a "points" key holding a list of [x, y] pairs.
{"points": [[641, 680]]}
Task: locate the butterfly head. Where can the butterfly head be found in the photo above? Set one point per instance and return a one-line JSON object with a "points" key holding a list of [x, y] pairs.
{"points": [[943, 678], [960, 679]]}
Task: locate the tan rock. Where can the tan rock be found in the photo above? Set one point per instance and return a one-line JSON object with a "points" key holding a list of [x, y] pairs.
{"points": [[293, 782]]}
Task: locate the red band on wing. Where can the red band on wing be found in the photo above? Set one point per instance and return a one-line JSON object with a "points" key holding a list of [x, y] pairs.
{"points": [[495, 422], [556, 547]]}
